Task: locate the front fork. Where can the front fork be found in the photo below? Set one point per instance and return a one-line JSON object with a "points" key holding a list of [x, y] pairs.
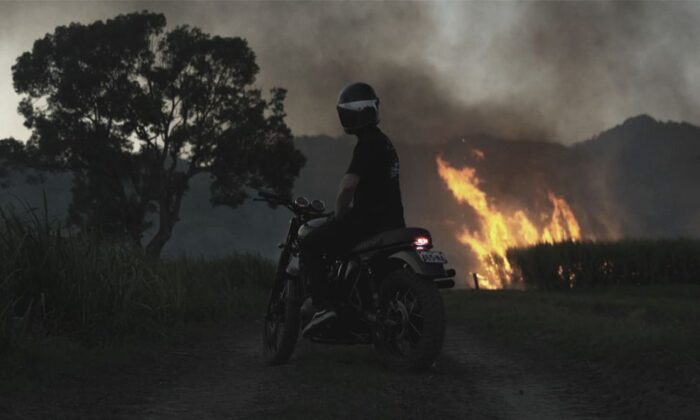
{"points": [[294, 279], [280, 273]]}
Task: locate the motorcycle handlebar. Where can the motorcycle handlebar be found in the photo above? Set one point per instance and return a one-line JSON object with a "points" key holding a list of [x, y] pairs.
{"points": [[276, 200]]}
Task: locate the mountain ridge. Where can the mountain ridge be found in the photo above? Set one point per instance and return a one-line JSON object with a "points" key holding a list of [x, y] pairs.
{"points": [[636, 179]]}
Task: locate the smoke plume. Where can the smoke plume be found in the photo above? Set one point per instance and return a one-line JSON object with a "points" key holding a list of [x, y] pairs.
{"points": [[555, 71], [560, 71]]}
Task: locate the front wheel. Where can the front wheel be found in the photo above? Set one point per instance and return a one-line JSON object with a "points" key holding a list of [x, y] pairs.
{"points": [[282, 323], [411, 325]]}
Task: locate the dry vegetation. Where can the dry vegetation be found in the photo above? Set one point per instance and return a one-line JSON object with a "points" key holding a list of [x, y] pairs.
{"points": [[75, 285], [601, 264]]}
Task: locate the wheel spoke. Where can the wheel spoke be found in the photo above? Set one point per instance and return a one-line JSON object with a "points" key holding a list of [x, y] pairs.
{"points": [[414, 328]]}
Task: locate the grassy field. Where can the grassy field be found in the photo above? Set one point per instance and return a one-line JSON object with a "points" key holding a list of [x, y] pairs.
{"points": [[55, 284], [636, 348]]}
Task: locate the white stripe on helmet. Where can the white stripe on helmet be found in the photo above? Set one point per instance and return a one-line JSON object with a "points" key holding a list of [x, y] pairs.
{"points": [[358, 105]]}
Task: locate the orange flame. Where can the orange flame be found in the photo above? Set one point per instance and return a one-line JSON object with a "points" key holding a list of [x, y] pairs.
{"points": [[500, 229]]}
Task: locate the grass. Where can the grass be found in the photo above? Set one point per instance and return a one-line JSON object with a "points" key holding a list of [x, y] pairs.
{"points": [[636, 346], [54, 283]]}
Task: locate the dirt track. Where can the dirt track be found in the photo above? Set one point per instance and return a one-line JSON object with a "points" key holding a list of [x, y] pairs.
{"points": [[220, 375], [225, 378]]}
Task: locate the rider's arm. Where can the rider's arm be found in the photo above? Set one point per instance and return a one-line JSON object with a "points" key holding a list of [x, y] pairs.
{"points": [[346, 191]]}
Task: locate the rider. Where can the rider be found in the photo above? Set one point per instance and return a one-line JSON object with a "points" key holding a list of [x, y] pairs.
{"points": [[368, 200]]}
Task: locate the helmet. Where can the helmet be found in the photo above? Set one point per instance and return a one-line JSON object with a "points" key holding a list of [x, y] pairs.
{"points": [[358, 106]]}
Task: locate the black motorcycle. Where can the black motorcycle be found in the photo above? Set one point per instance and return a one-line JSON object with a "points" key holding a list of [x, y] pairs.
{"points": [[388, 286]]}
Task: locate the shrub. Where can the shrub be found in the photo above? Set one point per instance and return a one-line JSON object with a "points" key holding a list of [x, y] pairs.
{"points": [[595, 264]]}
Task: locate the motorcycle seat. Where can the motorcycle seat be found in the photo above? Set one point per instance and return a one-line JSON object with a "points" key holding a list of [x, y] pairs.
{"points": [[401, 236]]}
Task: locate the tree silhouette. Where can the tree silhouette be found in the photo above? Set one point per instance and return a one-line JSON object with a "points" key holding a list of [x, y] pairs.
{"points": [[135, 112], [14, 157]]}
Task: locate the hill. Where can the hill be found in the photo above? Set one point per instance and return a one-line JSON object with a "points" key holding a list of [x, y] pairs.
{"points": [[638, 179]]}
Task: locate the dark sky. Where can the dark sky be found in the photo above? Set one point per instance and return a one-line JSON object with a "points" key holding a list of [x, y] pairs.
{"points": [[557, 71]]}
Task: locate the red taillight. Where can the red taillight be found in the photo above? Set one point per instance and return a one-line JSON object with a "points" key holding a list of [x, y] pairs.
{"points": [[421, 241]]}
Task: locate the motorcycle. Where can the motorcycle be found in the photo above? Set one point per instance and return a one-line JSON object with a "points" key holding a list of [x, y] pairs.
{"points": [[388, 286]]}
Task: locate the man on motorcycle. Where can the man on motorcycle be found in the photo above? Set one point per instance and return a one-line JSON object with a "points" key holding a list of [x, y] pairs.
{"points": [[368, 200]]}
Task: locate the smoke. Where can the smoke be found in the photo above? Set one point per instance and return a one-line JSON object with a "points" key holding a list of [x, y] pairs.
{"points": [[560, 71], [556, 71], [402, 49], [600, 62]]}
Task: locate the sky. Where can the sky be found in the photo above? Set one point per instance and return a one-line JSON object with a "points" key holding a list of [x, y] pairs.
{"points": [[443, 70]]}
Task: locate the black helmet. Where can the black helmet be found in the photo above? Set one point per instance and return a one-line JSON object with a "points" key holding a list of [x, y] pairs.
{"points": [[358, 106]]}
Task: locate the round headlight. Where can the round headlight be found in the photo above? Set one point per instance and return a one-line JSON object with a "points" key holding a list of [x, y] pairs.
{"points": [[318, 205]]}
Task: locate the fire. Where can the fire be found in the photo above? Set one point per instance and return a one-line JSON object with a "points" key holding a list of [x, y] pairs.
{"points": [[501, 229]]}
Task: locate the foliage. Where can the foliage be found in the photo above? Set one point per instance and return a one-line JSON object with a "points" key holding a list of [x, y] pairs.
{"points": [[595, 264], [14, 157], [54, 282], [136, 111]]}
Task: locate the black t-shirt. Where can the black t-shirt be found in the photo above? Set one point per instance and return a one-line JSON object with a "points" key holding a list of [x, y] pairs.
{"points": [[377, 201]]}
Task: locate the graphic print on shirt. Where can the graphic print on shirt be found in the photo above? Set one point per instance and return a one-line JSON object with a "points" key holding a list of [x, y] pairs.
{"points": [[395, 166]]}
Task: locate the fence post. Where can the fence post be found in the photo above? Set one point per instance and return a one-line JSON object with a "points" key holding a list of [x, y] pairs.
{"points": [[476, 281]]}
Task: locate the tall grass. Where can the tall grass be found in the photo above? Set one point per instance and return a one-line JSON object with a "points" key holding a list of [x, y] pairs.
{"points": [[54, 282], [594, 264]]}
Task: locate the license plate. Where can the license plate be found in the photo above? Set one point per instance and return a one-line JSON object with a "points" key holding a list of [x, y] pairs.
{"points": [[432, 257]]}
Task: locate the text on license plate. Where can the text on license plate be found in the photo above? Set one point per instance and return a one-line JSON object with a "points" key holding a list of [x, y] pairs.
{"points": [[432, 257]]}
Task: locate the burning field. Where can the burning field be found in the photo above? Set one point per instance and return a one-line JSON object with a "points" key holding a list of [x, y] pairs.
{"points": [[500, 228], [610, 210]]}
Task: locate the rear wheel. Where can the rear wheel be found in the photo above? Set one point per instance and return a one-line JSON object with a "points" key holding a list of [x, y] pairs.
{"points": [[412, 324]]}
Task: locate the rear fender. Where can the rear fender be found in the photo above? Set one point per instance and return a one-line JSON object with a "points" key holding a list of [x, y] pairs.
{"points": [[412, 260]]}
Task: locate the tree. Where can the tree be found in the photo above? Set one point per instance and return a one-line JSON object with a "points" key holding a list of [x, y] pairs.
{"points": [[135, 112], [18, 158], [13, 156]]}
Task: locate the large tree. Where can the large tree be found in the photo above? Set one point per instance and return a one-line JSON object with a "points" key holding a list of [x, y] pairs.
{"points": [[135, 111]]}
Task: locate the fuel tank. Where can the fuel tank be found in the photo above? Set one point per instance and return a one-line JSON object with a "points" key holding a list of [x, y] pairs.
{"points": [[309, 226]]}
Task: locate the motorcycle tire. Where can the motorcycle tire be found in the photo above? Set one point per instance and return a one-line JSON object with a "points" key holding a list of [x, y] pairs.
{"points": [[282, 324], [412, 309]]}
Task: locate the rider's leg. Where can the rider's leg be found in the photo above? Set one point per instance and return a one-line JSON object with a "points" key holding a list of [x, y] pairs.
{"points": [[333, 238], [313, 246]]}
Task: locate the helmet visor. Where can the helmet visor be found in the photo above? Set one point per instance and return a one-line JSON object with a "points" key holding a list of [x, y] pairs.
{"points": [[358, 114]]}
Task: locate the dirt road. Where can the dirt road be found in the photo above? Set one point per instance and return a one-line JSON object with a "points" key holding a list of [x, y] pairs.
{"points": [[471, 380], [224, 378]]}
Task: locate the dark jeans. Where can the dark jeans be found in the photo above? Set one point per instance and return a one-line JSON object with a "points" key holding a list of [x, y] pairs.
{"points": [[333, 238]]}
